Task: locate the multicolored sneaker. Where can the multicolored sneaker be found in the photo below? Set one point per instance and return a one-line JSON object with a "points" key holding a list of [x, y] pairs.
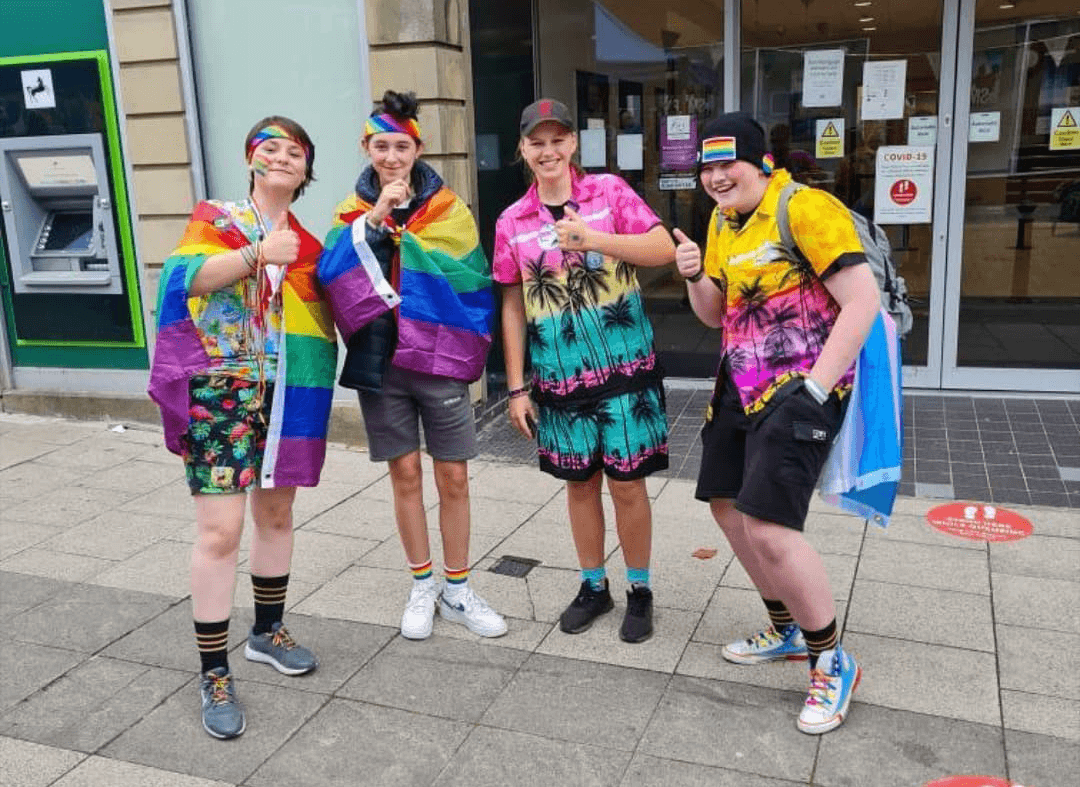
{"points": [[831, 687], [222, 713], [278, 649], [768, 645], [473, 612]]}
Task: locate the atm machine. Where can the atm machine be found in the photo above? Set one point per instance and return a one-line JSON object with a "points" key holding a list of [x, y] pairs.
{"points": [[58, 215]]}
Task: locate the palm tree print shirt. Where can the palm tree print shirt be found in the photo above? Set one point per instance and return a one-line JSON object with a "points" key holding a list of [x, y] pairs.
{"points": [[588, 335], [778, 313]]}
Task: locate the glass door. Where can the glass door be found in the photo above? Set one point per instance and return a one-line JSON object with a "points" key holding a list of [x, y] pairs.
{"points": [[1013, 289], [856, 97]]}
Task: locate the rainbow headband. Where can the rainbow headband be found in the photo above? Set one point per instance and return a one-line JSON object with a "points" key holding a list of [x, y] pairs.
{"points": [[716, 149], [388, 124], [274, 131]]}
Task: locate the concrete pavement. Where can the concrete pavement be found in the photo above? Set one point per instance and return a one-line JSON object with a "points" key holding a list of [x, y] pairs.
{"points": [[969, 650]]}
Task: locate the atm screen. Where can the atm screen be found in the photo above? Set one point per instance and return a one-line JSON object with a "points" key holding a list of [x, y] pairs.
{"points": [[71, 231]]}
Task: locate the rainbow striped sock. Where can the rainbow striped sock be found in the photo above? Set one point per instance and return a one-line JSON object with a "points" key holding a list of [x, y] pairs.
{"points": [[456, 576], [421, 571]]}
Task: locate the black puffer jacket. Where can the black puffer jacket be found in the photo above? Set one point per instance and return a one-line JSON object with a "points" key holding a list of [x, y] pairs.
{"points": [[371, 348]]}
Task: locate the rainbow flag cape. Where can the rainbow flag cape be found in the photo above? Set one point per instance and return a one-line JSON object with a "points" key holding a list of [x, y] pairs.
{"points": [[306, 362], [446, 301]]}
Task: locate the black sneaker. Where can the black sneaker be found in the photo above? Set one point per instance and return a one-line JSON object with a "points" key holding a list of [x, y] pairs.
{"points": [[587, 607], [637, 625]]}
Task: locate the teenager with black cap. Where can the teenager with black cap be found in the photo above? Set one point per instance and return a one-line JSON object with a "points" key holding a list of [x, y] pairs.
{"points": [[792, 331]]}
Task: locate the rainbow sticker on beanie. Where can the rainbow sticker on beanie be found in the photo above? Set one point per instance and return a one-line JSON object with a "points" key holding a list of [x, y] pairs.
{"points": [[767, 163], [716, 149], [388, 124]]}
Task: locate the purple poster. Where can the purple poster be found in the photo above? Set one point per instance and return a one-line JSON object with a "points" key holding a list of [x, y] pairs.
{"points": [[678, 143]]}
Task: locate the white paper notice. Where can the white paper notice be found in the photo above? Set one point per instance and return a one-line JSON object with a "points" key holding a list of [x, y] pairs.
{"points": [[883, 88], [904, 184], [629, 149], [593, 143], [823, 78], [984, 127], [922, 130], [594, 123], [38, 89]]}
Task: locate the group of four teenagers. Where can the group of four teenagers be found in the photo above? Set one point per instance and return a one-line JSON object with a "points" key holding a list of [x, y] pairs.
{"points": [[246, 357]]}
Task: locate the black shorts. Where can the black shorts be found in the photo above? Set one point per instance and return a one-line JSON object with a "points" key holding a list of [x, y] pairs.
{"points": [[770, 463]]}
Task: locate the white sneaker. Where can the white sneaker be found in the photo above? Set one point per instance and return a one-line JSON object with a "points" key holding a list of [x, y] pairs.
{"points": [[419, 612], [469, 609]]}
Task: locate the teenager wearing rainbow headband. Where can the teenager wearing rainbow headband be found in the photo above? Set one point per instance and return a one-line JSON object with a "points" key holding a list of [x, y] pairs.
{"points": [[410, 289], [792, 331], [243, 374]]}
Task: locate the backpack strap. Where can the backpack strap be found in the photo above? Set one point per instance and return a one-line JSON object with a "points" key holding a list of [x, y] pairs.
{"points": [[783, 220]]}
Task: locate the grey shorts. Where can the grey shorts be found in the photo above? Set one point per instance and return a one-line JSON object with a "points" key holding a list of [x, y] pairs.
{"points": [[392, 417]]}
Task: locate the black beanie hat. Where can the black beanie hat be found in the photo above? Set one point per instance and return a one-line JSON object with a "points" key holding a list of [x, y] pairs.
{"points": [[734, 136]]}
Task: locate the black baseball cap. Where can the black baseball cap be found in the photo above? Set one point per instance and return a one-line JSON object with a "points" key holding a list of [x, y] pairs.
{"points": [[542, 111]]}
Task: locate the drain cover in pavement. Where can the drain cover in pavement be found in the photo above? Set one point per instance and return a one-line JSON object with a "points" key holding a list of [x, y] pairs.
{"points": [[514, 566]]}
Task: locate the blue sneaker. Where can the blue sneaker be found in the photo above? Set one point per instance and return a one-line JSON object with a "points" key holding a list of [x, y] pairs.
{"points": [[768, 645], [831, 687], [278, 649], [222, 713]]}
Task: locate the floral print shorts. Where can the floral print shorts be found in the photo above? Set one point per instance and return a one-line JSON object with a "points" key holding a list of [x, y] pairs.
{"points": [[226, 435]]}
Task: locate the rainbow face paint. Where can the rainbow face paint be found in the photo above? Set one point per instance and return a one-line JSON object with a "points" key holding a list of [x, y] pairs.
{"points": [[260, 164], [388, 124], [717, 149]]}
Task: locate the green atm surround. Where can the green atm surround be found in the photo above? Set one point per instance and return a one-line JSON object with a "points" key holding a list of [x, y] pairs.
{"points": [[128, 352]]}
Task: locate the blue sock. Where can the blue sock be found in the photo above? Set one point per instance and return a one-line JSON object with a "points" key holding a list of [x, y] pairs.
{"points": [[638, 576], [594, 576]]}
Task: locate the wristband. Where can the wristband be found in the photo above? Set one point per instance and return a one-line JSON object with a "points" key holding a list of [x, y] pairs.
{"points": [[697, 276], [515, 393], [816, 391]]}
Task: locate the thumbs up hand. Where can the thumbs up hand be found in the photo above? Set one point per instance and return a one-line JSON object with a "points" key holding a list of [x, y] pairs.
{"points": [[572, 231], [687, 255], [282, 245]]}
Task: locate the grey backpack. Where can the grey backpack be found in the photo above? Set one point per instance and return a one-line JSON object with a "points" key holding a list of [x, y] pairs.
{"points": [[878, 253]]}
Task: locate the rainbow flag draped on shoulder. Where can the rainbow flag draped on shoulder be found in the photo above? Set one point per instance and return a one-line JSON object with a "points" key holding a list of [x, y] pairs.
{"points": [[446, 300], [306, 361]]}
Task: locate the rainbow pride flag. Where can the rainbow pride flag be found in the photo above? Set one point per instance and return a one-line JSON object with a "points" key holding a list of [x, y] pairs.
{"points": [[446, 301], [717, 149], [307, 356]]}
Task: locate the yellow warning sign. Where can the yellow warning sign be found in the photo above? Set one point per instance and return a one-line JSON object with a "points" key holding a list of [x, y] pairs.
{"points": [[830, 138], [1064, 129]]}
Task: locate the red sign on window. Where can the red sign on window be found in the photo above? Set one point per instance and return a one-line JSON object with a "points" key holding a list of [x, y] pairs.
{"points": [[903, 192], [979, 522]]}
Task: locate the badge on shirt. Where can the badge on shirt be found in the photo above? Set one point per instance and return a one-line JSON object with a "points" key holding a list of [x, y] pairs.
{"points": [[547, 239], [594, 260]]}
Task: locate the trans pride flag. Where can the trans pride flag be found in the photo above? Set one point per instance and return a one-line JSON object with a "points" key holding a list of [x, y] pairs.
{"points": [[307, 356], [446, 300]]}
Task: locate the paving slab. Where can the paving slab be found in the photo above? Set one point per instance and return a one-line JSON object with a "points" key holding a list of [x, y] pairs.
{"points": [[840, 570], [30, 480], [25, 764], [1041, 760], [576, 701], [938, 617], [164, 568], [925, 565], [502, 757], [110, 536], [912, 748], [38, 561], [1054, 716], [648, 771], [916, 530], [171, 736], [359, 516], [728, 725], [361, 744], [85, 618], [20, 592], [1051, 668], [439, 676], [69, 506], [34, 666], [1057, 601], [931, 679], [101, 771], [1047, 557], [91, 704]]}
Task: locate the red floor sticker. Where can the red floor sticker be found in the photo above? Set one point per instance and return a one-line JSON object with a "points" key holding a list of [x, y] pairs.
{"points": [[979, 522], [971, 781]]}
